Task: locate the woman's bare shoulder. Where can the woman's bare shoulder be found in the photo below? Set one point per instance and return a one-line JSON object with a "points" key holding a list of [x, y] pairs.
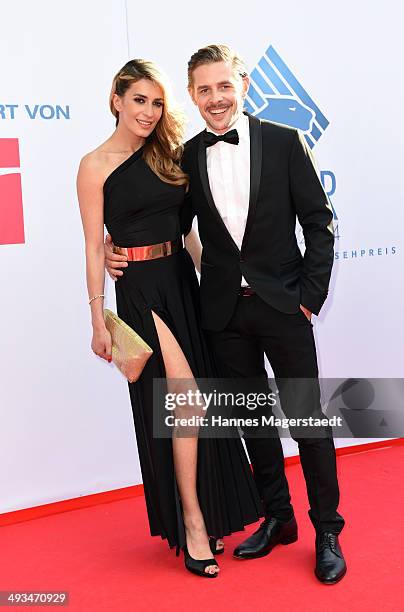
{"points": [[102, 161], [96, 158], [96, 164]]}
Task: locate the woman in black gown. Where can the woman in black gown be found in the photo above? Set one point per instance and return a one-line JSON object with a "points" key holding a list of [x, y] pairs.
{"points": [[194, 487]]}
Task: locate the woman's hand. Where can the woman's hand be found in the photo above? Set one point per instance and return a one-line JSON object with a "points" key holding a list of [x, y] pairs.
{"points": [[102, 343]]}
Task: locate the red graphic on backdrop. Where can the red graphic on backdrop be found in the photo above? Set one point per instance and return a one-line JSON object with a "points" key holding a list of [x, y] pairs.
{"points": [[11, 212]]}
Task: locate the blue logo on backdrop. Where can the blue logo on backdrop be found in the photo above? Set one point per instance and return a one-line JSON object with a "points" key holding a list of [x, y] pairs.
{"points": [[276, 94]]}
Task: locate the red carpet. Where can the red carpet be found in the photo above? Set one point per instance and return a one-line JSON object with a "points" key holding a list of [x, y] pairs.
{"points": [[105, 558]]}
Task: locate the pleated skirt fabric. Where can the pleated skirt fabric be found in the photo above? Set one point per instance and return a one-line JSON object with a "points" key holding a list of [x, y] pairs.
{"points": [[227, 493]]}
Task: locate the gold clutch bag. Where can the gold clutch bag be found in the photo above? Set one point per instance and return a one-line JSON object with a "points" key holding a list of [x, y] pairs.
{"points": [[129, 351]]}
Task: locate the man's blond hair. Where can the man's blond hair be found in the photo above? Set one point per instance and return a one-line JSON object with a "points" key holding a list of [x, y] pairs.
{"points": [[212, 54]]}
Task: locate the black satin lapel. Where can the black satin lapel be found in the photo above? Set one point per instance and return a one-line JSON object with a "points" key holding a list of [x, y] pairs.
{"points": [[203, 173], [255, 173]]}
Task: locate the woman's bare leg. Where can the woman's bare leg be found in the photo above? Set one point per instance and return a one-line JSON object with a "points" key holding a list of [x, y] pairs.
{"points": [[185, 451]]}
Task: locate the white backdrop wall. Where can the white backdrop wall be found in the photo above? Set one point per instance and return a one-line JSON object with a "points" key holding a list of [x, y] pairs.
{"points": [[66, 422]]}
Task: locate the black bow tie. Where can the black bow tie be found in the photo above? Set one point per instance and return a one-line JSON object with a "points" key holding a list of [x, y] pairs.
{"points": [[211, 139]]}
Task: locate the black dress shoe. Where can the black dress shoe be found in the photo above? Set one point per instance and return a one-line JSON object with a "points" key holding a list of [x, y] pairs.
{"points": [[330, 562], [271, 532]]}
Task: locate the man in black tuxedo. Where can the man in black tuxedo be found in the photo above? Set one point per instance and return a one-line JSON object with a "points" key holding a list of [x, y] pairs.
{"points": [[249, 180]]}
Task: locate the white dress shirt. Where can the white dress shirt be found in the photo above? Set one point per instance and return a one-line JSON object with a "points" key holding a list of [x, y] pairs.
{"points": [[229, 179]]}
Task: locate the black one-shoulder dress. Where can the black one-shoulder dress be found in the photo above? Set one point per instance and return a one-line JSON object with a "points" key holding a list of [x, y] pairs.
{"points": [[140, 210]]}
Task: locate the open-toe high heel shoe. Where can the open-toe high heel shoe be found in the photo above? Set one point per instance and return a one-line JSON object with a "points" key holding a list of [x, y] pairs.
{"points": [[213, 546], [198, 566]]}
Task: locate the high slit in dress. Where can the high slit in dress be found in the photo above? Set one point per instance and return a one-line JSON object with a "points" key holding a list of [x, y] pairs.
{"points": [[139, 210]]}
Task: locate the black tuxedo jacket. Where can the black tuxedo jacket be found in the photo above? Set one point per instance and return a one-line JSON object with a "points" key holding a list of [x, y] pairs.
{"points": [[283, 184]]}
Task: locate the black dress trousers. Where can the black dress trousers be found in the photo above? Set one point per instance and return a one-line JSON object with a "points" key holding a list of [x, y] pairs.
{"points": [[257, 329]]}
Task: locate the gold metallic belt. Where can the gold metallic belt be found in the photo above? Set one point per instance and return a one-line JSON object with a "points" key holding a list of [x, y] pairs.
{"points": [[152, 251]]}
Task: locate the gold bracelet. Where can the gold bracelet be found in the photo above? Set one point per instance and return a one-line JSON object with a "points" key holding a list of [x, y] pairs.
{"points": [[95, 297]]}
